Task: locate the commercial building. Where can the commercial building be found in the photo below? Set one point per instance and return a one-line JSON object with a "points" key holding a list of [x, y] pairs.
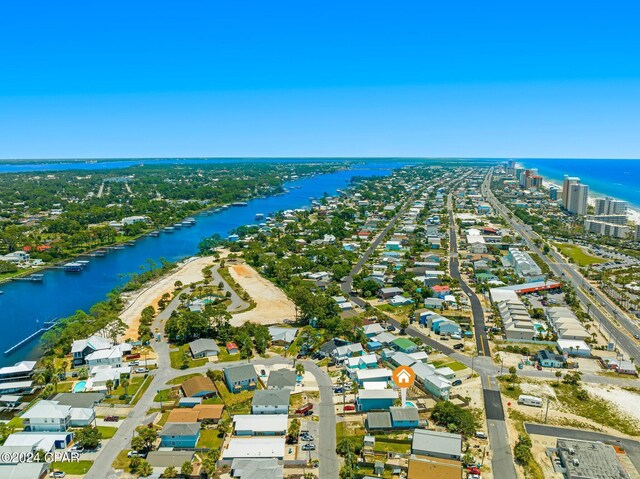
{"points": [[589, 460], [566, 324]]}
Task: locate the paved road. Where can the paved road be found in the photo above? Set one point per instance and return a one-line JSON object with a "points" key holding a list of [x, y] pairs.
{"points": [[631, 447], [347, 282], [502, 459], [121, 440], [326, 412], [237, 303], [597, 305]]}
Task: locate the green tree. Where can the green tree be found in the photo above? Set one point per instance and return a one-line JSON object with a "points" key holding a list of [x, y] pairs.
{"points": [[88, 437], [186, 469], [522, 449], [144, 469], [170, 472], [455, 418]]}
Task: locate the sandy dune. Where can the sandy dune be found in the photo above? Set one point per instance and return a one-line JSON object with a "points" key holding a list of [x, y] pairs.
{"points": [[272, 305], [189, 271]]}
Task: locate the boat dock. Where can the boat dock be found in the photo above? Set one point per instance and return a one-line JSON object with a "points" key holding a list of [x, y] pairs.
{"points": [[32, 278], [30, 337]]}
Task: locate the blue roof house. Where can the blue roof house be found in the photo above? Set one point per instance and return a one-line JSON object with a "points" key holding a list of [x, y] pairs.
{"points": [[180, 434], [375, 399]]}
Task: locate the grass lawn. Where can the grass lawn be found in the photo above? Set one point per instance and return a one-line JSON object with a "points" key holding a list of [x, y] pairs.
{"points": [[298, 400], [107, 431], [64, 387], [16, 423], [209, 439], [77, 468], [165, 395], [239, 403], [134, 384], [577, 254], [384, 446], [454, 365], [140, 393], [181, 379], [224, 356], [121, 461], [176, 358], [351, 429], [511, 390]]}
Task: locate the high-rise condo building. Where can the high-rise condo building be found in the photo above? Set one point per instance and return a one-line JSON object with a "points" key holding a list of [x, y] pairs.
{"points": [[610, 206], [574, 196]]}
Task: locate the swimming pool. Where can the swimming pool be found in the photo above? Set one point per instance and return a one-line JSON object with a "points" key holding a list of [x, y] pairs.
{"points": [[79, 386], [409, 404]]}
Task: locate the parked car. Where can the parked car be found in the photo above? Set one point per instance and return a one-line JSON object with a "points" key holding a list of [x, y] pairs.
{"points": [[307, 437], [457, 382], [134, 363], [141, 370], [338, 390], [112, 418], [538, 367], [308, 413], [458, 346], [309, 447], [444, 338], [481, 435], [77, 448], [57, 474], [391, 327]]}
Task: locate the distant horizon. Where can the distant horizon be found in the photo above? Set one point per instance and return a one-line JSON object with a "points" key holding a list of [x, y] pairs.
{"points": [[296, 157]]}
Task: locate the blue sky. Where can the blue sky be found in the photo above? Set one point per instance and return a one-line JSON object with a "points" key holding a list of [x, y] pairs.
{"points": [[491, 79]]}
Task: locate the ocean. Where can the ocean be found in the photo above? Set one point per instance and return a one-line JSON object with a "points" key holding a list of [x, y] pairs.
{"points": [[616, 178]]}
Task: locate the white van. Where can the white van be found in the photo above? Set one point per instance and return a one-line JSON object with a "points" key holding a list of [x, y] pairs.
{"points": [[529, 400]]}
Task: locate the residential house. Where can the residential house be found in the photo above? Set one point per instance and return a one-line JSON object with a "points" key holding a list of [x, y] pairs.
{"points": [[549, 359], [104, 357], [199, 386], [20, 371], [371, 330], [366, 361], [375, 399], [388, 293], [378, 421], [209, 413], [398, 300], [256, 468], [270, 401], [81, 348], [180, 435], [341, 353], [441, 445], [13, 465], [282, 336], [241, 378], [203, 348], [428, 378], [254, 447], [47, 416], [421, 467], [282, 379], [262, 425], [370, 375], [404, 345], [404, 417]]}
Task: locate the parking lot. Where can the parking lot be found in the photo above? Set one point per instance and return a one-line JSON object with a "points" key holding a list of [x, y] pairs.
{"points": [[313, 427]]}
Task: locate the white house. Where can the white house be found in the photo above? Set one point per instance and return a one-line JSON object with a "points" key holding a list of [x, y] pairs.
{"points": [[47, 416], [260, 425], [104, 357]]}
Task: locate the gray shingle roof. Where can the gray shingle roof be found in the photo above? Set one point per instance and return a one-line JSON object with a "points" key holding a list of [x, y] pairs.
{"points": [[239, 373], [203, 344], [180, 429], [271, 397], [281, 378], [379, 420], [404, 413]]}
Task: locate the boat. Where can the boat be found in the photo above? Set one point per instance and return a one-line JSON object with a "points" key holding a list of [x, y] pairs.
{"points": [[117, 247], [36, 278], [178, 226], [168, 229], [82, 262], [189, 221], [239, 203], [130, 243], [99, 252], [73, 267], [259, 216], [154, 234]]}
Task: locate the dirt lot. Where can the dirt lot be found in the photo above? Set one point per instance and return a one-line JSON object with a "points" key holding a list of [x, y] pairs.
{"points": [[272, 305], [189, 271]]}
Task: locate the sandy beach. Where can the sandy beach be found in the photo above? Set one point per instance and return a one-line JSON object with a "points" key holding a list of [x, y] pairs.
{"points": [[189, 271], [272, 305]]}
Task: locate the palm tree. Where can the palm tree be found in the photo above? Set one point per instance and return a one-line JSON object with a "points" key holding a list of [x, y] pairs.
{"points": [[125, 386], [558, 376], [299, 369], [109, 385]]}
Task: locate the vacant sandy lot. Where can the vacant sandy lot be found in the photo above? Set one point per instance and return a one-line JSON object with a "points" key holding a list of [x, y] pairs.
{"points": [[625, 401], [272, 305], [188, 271]]}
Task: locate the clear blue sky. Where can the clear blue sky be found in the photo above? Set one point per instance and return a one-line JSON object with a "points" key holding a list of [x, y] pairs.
{"points": [[304, 78]]}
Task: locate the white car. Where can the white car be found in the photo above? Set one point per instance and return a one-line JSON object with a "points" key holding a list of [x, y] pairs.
{"points": [[141, 370]]}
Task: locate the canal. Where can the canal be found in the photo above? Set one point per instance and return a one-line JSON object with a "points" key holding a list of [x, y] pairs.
{"points": [[26, 307]]}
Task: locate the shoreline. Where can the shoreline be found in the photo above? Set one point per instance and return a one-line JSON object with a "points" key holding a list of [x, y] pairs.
{"points": [[633, 211]]}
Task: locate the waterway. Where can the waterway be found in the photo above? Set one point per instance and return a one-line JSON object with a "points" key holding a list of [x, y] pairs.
{"points": [[25, 307]]}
